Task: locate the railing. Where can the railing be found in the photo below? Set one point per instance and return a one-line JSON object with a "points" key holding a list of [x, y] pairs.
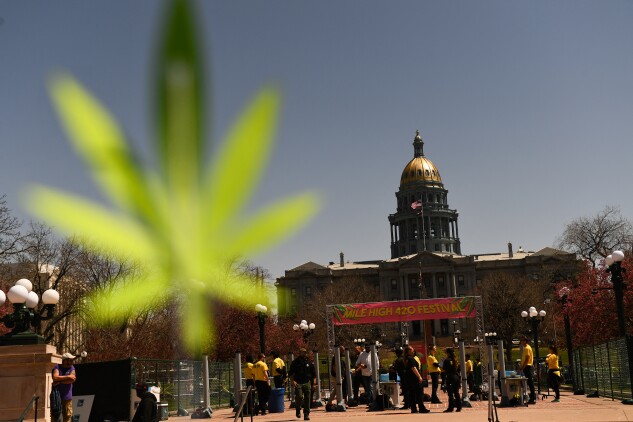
{"points": [[35, 399], [181, 382], [603, 370], [246, 397]]}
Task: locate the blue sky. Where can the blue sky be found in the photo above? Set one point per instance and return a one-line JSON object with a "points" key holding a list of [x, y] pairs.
{"points": [[526, 108]]}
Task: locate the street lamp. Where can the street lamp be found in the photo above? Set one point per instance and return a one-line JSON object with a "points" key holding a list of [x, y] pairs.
{"points": [[534, 318], [456, 333], [491, 340], [614, 267], [306, 329], [563, 294], [24, 315], [261, 318]]}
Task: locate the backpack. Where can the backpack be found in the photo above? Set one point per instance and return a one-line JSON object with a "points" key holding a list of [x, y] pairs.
{"points": [[56, 404]]}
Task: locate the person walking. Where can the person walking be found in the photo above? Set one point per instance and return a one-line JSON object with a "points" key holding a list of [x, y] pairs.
{"points": [[279, 369], [434, 371], [260, 370], [303, 375], [63, 378], [451, 374], [414, 382], [553, 372], [526, 365]]}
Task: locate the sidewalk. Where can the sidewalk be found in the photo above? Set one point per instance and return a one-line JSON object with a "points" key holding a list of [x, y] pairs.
{"points": [[571, 408]]}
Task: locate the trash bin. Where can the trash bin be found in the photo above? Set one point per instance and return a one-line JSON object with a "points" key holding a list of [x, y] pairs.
{"points": [[390, 389], [276, 400], [163, 411]]}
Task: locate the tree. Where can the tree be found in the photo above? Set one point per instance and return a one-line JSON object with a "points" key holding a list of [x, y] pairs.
{"points": [[11, 237], [504, 296], [596, 237], [345, 290], [590, 304]]}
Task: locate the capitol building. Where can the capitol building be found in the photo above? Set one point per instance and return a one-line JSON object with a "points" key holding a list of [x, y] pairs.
{"points": [[426, 259]]}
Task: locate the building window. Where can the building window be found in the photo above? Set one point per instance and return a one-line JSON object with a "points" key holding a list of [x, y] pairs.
{"points": [[460, 280], [440, 282], [293, 292], [394, 284], [308, 291], [427, 283], [444, 327]]}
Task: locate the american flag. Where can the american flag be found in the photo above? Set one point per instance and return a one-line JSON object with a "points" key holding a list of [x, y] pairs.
{"points": [[417, 204]]}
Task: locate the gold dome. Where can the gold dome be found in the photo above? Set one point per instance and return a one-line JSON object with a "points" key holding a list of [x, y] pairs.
{"points": [[420, 169]]}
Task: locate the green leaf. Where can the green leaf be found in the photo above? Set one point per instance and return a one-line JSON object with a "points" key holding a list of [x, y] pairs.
{"points": [[97, 138], [196, 324], [99, 227], [275, 223], [237, 169], [180, 110], [129, 296]]}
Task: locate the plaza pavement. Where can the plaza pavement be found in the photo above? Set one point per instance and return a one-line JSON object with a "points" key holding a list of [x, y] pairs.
{"points": [[571, 408]]}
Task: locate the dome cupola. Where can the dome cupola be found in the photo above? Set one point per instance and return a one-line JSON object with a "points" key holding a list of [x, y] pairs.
{"points": [[423, 220]]}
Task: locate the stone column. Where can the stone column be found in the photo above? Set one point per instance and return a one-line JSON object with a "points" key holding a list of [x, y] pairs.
{"points": [[26, 371]]}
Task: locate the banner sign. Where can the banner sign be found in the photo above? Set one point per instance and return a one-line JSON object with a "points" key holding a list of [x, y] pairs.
{"points": [[404, 310]]}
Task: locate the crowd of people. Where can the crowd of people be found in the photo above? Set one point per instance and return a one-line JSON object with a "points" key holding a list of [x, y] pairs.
{"points": [[444, 373]]}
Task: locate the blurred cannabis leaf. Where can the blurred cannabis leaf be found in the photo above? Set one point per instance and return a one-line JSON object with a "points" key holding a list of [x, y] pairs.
{"points": [[182, 222]]}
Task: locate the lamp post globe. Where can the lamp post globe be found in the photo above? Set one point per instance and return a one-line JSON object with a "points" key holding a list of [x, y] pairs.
{"points": [[26, 283], [50, 297], [32, 299], [17, 294], [25, 314]]}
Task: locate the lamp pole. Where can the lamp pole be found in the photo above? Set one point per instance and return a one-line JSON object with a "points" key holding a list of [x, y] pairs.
{"points": [[24, 315], [563, 294], [491, 340], [534, 318], [306, 329], [615, 268], [261, 319]]}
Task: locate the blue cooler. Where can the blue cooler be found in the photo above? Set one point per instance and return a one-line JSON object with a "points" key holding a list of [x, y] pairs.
{"points": [[276, 400]]}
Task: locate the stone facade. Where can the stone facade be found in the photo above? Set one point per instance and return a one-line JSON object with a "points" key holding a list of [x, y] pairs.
{"points": [[26, 371]]}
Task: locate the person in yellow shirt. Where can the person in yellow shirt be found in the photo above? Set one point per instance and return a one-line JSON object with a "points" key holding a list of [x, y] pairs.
{"points": [[249, 376], [260, 370], [279, 370], [527, 361], [434, 370], [553, 372], [470, 374]]}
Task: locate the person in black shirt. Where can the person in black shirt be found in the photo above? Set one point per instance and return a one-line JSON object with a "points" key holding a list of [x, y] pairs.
{"points": [[400, 367], [414, 383], [451, 375], [147, 410], [302, 374]]}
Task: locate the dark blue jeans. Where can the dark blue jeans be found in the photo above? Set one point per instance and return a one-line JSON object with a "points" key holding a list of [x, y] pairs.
{"points": [[366, 381]]}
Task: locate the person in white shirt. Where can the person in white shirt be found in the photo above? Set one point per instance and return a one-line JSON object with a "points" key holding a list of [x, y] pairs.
{"points": [[363, 364]]}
